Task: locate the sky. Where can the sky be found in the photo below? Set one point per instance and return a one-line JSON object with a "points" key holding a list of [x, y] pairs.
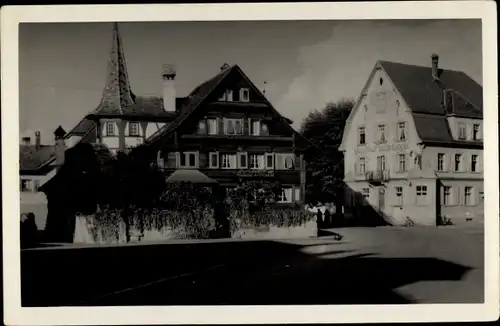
{"points": [[62, 67]]}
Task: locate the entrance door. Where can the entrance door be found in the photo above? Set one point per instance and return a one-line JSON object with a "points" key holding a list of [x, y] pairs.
{"points": [[381, 198]]}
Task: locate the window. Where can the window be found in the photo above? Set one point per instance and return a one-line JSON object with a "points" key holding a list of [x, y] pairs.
{"points": [[256, 161], [243, 160], [362, 136], [213, 160], [284, 161], [188, 159], [228, 161], [468, 196], [458, 163], [421, 195], [473, 163], [401, 162], [133, 129], [447, 196], [233, 126], [254, 127], [227, 96], [365, 192], [244, 95], [381, 134], [212, 126], [110, 129], [202, 127], [399, 196], [362, 165], [402, 131], [475, 132], [461, 131], [269, 161], [285, 196], [440, 162], [381, 163], [25, 185]]}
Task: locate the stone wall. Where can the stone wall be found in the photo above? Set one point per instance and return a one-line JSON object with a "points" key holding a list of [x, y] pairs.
{"points": [[306, 230]]}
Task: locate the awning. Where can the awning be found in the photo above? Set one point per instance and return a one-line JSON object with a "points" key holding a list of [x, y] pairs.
{"points": [[193, 176]]}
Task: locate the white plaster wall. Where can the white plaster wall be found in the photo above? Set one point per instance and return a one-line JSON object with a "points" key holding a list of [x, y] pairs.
{"points": [[36, 201], [382, 104], [153, 127]]}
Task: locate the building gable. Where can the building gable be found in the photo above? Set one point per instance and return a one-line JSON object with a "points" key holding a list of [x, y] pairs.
{"points": [[211, 97]]}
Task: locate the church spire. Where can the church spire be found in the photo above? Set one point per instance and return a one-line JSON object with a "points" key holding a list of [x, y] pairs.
{"points": [[117, 93]]}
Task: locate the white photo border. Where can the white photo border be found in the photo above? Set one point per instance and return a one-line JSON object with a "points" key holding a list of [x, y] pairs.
{"points": [[17, 315]]}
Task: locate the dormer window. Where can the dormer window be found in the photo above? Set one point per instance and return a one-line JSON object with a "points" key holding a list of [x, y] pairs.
{"points": [[244, 95], [461, 131]]}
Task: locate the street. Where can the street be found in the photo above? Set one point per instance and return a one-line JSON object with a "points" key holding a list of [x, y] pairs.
{"points": [[367, 266]]}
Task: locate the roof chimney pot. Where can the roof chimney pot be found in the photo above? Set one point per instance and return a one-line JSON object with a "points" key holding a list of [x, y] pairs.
{"points": [[435, 66]]}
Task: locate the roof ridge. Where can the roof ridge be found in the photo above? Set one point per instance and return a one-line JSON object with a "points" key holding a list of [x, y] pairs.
{"points": [[419, 66]]}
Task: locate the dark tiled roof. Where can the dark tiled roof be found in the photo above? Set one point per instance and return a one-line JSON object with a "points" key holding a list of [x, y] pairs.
{"points": [[191, 102], [82, 128], [32, 158], [423, 94], [432, 127]]}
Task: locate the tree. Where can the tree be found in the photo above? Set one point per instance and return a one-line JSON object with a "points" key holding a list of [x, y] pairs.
{"points": [[326, 169]]}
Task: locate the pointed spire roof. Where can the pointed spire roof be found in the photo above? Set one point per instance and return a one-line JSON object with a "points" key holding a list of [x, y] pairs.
{"points": [[117, 93]]}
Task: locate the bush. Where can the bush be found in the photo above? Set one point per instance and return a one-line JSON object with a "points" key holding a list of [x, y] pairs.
{"points": [[280, 217], [253, 204], [185, 209]]}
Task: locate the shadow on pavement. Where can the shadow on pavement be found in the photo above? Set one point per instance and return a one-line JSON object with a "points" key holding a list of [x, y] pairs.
{"points": [[221, 273]]}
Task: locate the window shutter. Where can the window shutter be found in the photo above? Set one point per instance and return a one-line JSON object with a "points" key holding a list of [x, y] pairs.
{"points": [[279, 162], [233, 161], [127, 128], [297, 194], [458, 196], [104, 130], [262, 161], [177, 159]]}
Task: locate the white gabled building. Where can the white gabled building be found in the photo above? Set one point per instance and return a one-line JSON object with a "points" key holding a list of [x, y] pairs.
{"points": [[413, 147]]}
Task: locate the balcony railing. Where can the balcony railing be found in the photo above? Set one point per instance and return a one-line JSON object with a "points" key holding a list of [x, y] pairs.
{"points": [[377, 176]]}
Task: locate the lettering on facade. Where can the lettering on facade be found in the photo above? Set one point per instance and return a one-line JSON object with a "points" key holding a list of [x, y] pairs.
{"points": [[381, 148], [255, 173]]}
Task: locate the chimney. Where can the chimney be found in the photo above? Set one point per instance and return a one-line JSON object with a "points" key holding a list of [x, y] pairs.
{"points": [[60, 146], [435, 66], [169, 93], [38, 141]]}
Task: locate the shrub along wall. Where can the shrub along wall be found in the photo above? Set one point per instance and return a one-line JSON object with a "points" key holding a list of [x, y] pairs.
{"points": [[124, 199]]}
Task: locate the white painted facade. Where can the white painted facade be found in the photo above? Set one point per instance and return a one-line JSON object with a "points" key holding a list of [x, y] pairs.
{"points": [[412, 185]]}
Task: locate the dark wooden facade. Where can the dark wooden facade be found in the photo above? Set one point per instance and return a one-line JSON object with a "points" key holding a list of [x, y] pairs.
{"points": [[235, 134]]}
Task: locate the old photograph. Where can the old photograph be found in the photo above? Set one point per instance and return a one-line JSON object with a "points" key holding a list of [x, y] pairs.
{"points": [[252, 163]]}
